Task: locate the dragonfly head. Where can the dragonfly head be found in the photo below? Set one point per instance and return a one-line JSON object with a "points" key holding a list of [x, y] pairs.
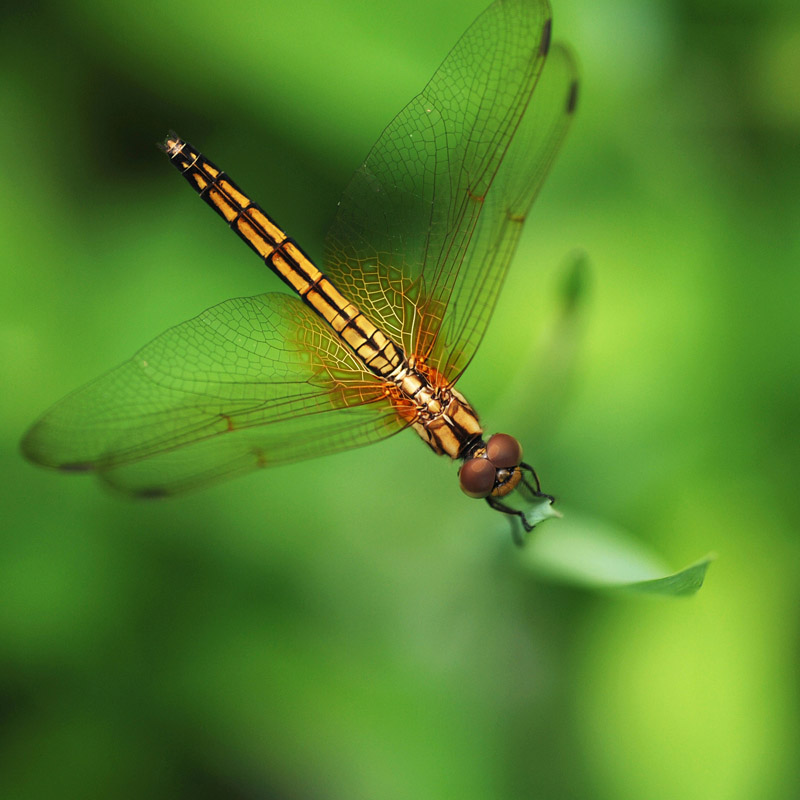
{"points": [[492, 468]]}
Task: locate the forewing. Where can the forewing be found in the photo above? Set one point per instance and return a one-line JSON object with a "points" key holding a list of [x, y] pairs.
{"points": [[249, 383], [406, 218], [519, 179]]}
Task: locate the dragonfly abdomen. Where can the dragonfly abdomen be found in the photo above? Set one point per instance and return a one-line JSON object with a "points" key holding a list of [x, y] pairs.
{"points": [[379, 354]]}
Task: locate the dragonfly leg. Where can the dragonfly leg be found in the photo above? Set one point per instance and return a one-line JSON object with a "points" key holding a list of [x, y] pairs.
{"points": [[537, 491], [502, 507]]}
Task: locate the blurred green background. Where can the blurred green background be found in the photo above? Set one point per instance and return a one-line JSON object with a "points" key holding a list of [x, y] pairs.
{"points": [[290, 635]]}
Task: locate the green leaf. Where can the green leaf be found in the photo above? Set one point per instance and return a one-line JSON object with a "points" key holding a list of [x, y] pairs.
{"points": [[685, 582], [591, 554]]}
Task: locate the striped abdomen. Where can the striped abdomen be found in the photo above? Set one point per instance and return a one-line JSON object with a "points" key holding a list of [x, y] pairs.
{"points": [[285, 258]]}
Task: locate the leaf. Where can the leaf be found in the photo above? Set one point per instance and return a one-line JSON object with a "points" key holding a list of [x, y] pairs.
{"points": [[591, 554]]}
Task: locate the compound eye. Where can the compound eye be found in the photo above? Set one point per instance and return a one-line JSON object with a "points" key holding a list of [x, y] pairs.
{"points": [[477, 477], [503, 451]]}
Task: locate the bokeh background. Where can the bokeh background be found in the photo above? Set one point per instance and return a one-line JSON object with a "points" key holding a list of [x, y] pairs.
{"points": [[353, 627]]}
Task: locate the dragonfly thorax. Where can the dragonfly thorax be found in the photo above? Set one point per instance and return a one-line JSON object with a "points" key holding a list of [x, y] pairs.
{"points": [[441, 416]]}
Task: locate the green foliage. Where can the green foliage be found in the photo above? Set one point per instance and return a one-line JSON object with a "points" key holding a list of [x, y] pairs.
{"points": [[586, 553]]}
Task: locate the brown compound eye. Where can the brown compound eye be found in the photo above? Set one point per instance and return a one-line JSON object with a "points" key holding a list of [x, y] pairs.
{"points": [[477, 477], [503, 451]]}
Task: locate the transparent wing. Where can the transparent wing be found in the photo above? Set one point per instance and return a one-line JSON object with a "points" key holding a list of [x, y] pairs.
{"points": [[407, 217], [497, 233], [249, 383]]}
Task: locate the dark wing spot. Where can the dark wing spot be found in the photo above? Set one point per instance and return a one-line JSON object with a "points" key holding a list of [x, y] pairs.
{"points": [[544, 46], [77, 466], [572, 97], [152, 493]]}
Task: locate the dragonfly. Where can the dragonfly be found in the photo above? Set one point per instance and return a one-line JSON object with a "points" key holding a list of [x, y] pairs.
{"points": [[373, 343]]}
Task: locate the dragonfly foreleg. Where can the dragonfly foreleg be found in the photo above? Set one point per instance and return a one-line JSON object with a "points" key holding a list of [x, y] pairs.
{"points": [[536, 488]]}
